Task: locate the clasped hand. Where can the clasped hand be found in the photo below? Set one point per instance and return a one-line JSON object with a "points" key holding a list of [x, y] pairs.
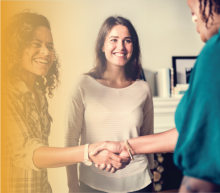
{"points": [[110, 156]]}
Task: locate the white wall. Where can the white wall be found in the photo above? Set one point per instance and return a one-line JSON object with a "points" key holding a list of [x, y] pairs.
{"points": [[164, 28]]}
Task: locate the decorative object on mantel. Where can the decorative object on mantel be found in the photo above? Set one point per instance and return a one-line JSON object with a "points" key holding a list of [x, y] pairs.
{"points": [[182, 66], [163, 82], [180, 89]]}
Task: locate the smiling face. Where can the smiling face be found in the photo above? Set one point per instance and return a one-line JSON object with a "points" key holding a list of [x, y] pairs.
{"points": [[206, 32], [39, 55], [118, 46]]}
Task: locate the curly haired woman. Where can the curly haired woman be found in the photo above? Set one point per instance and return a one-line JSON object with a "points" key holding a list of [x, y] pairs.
{"points": [[31, 70]]}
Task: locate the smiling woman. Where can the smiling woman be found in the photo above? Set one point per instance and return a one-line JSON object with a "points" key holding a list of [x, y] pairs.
{"points": [[31, 71], [111, 103], [32, 35]]}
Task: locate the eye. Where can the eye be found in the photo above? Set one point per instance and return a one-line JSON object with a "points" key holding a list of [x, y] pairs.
{"points": [[128, 41], [113, 40], [51, 48], [35, 44]]}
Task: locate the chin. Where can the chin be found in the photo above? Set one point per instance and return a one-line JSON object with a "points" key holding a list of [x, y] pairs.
{"points": [[203, 39], [42, 73]]}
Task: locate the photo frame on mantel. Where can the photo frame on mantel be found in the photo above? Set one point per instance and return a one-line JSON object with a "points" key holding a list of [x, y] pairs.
{"points": [[182, 67], [142, 76]]}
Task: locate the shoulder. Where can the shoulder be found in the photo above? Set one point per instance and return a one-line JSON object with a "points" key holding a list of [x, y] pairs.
{"points": [[143, 85], [207, 65], [145, 90], [82, 82], [210, 52], [12, 90]]}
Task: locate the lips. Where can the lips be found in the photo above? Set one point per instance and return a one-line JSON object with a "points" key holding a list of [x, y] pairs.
{"points": [[42, 61]]}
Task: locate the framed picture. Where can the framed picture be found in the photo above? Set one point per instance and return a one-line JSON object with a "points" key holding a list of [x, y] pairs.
{"points": [[142, 76], [182, 67]]}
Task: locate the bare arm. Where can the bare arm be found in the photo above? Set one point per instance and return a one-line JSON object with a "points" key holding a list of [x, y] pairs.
{"points": [[51, 157], [156, 143], [190, 185]]}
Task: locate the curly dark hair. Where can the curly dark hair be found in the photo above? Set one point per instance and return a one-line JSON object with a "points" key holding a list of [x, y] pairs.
{"points": [[17, 37], [214, 5], [133, 67]]}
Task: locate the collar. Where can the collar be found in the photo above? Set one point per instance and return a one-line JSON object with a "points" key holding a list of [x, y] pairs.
{"points": [[17, 86]]}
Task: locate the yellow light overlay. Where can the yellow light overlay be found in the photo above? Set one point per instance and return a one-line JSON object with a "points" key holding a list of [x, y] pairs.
{"points": [[63, 17]]}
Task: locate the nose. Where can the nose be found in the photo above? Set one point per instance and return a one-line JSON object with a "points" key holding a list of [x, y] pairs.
{"points": [[44, 50], [120, 45]]}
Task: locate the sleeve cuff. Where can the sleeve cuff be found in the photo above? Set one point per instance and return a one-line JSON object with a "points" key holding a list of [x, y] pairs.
{"points": [[30, 147]]}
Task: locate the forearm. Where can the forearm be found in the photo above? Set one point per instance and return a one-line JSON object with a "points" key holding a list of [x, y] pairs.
{"points": [[156, 143], [51, 157]]}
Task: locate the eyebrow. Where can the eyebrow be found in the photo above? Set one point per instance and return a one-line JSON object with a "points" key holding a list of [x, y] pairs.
{"points": [[50, 43], [118, 37]]}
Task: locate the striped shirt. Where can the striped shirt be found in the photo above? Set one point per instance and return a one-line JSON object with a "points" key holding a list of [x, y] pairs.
{"points": [[99, 113], [24, 129]]}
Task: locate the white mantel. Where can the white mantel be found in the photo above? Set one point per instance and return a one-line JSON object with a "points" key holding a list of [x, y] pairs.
{"points": [[164, 109]]}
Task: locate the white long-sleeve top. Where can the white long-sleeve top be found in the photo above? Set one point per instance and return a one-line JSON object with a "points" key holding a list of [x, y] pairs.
{"points": [[99, 113]]}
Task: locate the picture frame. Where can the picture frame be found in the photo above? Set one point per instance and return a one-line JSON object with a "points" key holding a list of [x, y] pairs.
{"points": [[182, 67], [142, 76]]}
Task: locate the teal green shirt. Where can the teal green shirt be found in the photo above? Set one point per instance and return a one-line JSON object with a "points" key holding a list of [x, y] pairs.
{"points": [[197, 118]]}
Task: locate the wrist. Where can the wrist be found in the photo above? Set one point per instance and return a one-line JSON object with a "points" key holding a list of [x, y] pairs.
{"points": [[87, 161], [131, 147]]}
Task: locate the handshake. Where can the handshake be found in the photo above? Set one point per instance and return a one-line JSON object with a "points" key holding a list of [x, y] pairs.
{"points": [[111, 156]]}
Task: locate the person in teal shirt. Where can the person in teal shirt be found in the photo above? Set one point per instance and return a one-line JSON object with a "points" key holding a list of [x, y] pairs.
{"points": [[196, 138]]}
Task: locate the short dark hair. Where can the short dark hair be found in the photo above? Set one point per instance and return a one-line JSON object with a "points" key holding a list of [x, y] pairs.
{"points": [[17, 37], [214, 5], [133, 67]]}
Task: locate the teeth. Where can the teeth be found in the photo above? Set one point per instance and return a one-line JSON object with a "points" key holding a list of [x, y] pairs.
{"points": [[39, 60], [118, 54]]}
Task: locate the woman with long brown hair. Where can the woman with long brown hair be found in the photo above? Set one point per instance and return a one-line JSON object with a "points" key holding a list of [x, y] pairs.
{"points": [[111, 103]]}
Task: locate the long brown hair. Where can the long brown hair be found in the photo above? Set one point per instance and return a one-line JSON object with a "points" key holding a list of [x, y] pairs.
{"points": [[17, 37], [133, 66]]}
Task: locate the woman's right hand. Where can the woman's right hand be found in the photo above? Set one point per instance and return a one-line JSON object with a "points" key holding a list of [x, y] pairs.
{"points": [[110, 160]]}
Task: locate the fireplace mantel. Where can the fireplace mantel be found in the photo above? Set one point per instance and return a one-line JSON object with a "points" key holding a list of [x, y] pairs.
{"points": [[164, 109]]}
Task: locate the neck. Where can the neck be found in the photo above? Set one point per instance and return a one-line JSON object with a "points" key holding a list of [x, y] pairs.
{"points": [[115, 74], [29, 79]]}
